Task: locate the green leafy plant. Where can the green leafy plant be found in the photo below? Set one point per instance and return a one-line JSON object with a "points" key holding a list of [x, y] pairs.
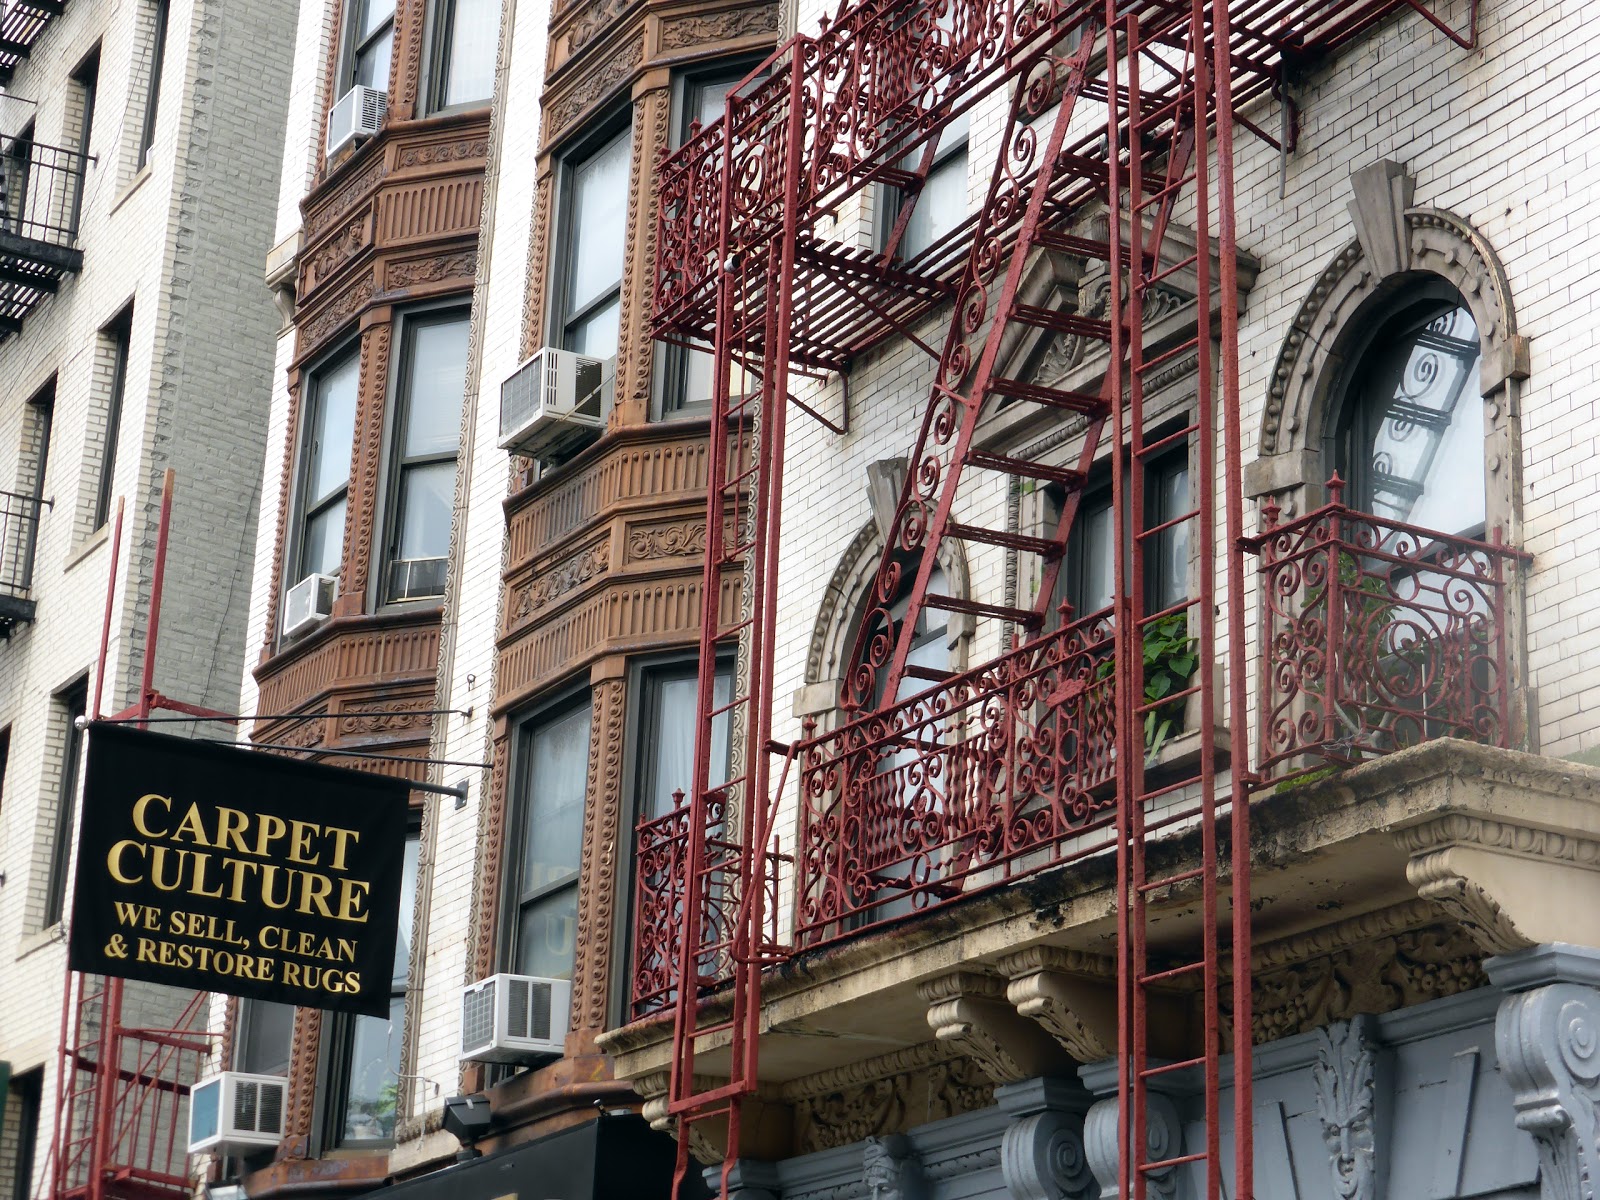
{"points": [[1170, 659]]}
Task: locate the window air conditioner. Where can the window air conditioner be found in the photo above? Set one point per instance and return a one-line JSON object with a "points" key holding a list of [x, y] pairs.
{"points": [[513, 1018], [554, 402], [416, 578], [308, 604], [358, 114], [235, 1113]]}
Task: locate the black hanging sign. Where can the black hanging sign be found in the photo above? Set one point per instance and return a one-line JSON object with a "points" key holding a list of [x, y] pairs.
{"points": [[235, 871]]}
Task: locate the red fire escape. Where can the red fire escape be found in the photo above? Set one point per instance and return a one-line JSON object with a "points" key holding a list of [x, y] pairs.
{"points": [[1120, 120], [128, 1059]]}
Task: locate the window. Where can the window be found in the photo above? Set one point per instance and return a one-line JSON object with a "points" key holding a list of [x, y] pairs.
{"points": [[152, 91], [369, 45], [19, 1133], [86, 86], [330, 425], [464, 52], [668, 729], [17, 181], [426, 438], [67, 707], [114, 340], [553, 771], [1408, 437], [701, 100], [941, 205], [21, 537], [363, 1063], [263, 1036], [1089, 572], [594, 231]]}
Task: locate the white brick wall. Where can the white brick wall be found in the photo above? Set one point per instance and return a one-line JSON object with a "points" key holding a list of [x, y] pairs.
{"points": [[184, 241]]}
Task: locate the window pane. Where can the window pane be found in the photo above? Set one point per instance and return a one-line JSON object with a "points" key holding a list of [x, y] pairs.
{"points": [[943, 203], [1426, 456], [426, 495], [597, 223], [438, 382], [408, 904], [373, 14], [374, 1075], [324, 541], [547, 935], [265, 1033], [1168, 568], [372, 62], [1095, 559], [558, 768], [333, 431], [710, 100], [667, 740], [469, 75], [596, 335]]}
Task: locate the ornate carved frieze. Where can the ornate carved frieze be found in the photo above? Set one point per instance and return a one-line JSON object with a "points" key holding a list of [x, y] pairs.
{"points": [[666, 539], [598, 82], [375, 717], [552, 583], [1375, 963], [730, 25], [888, 1094]]}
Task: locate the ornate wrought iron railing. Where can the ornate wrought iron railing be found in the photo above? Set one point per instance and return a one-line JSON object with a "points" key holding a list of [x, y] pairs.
{"points": [[994, 774], [690, 842], [1377, 636]]}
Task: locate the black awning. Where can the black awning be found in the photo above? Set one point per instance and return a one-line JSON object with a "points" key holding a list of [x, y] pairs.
{"points": [[609, 1158]]}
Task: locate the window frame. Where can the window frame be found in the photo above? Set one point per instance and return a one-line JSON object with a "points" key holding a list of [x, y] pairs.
{"points": [[441, 46], [301, 514], [42, 403], [353, 45], [119, 330], [687, 87], [513, 899], [242, 1022], [73, 702], [337, 1048], [86, 77], [892, 201], [152, 91], [1351, 413], [397, 419], [26, 1088], [559, 322]]}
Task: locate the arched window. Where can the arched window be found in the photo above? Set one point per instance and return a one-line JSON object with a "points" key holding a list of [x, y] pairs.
{"points": [[1407, 434]]}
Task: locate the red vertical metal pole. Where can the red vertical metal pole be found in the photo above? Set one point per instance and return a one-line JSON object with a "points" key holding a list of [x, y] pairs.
{"points": [[105, 625], [158, 581], [1238, 711]]}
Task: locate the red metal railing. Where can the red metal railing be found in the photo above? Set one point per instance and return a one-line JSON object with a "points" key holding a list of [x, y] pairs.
{"points": [[997, 773], [662, 864], [1378, 636]]}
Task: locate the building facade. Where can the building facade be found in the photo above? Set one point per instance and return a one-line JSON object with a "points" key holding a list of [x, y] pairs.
{"points": [[140, 143], [943, 1015]]}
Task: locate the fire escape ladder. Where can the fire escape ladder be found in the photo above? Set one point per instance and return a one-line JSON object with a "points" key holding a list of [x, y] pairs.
{"points": [[1169, 132], [726, 936], [1026, 181]]}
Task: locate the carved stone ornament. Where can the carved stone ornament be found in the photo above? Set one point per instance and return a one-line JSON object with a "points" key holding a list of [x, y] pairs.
{"points": [[889, 1168], [1496, 878], [891, 1093], [681, 32], [1070, 994], [970, 1011], [1548, 1041], [1163, 1140], [1344, 1079], [1042, 1154]]}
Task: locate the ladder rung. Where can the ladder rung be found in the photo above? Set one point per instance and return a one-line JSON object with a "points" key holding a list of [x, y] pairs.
{"points": [[1169, 1068], [933, 674], [977, 608], [1172, 973], [1079, 402], [1027, 543], [897, 178], [1166, 1164], [984, 460], [1072, 324], [1170, 880]]}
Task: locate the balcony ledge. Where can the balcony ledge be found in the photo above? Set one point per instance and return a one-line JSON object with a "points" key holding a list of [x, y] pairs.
{"points": [[1483, 836]]}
